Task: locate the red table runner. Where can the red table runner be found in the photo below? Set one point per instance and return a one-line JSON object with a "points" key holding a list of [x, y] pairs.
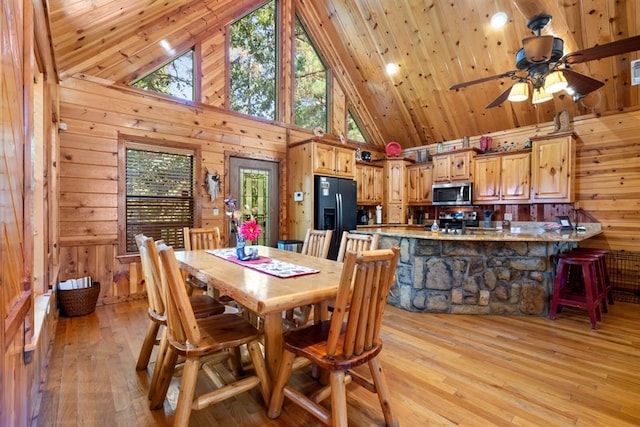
{"points": [[266, 265]]}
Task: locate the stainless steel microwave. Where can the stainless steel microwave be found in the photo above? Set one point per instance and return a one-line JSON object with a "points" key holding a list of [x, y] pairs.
{"points": [[452, 194]]}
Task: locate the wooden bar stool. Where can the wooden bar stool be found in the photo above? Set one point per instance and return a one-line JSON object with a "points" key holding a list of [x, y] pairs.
{"points": [[582, 291], [602, 263]]}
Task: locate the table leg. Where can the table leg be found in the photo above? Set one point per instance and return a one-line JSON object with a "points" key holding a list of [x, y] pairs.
{"points": [[273, 342]]}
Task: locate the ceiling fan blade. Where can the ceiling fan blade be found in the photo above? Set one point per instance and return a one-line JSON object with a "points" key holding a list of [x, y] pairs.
{"points": [[580, 83], [482, 80], [617, 47], [500, 99]]}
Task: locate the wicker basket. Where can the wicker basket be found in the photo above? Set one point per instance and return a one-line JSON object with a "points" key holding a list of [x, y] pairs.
{"points": [[78, 302]]}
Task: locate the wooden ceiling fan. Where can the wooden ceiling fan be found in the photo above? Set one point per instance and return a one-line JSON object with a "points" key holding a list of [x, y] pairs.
{"points": [[542, 66]]}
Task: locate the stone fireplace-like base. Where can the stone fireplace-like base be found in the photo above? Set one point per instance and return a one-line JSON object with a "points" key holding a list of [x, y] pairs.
{"points": [[474, 277]]}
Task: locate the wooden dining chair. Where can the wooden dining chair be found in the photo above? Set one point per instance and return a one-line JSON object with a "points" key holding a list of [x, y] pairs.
{"points": [[356, 242], [202, 306], [338, 345], [316, 243], [196, 339], [201, 238], [198, 239]]}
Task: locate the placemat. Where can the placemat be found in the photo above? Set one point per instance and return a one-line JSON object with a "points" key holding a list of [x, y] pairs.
{"points": [[266, 265]]}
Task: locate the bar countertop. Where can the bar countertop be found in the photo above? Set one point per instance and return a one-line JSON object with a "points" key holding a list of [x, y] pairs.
{"points": [[519, 231]]}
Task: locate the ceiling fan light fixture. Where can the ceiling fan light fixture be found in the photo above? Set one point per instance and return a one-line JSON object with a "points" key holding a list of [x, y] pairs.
{"points": [[540, 96], [519, 92], [555, 82]]}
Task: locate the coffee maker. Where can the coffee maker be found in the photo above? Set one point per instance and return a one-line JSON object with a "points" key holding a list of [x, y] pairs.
{"points": [[363, 217]]}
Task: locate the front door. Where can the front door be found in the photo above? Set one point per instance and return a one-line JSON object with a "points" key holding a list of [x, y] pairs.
{"points": [[255, 183]]}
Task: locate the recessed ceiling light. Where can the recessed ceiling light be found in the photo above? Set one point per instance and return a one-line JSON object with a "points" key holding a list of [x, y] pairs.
{"points": [[499, 20], [391, 68]]}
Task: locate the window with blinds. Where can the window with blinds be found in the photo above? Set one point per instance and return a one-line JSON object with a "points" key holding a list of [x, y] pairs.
{"points": [[159, 195]]}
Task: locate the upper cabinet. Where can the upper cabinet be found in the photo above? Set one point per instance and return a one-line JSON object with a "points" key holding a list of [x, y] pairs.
{"points": [[502, 178], [553, 168], [419, 183], [370, 180], [454, 165], [333, 160], [395, 203]]}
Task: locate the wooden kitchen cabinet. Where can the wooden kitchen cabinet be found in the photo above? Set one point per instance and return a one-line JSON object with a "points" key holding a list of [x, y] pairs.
{"points": [[306, 159], [419, 182], [395, 200], [552, 168], [502, 178], [370, 179], [333, 160], [454, 165]]}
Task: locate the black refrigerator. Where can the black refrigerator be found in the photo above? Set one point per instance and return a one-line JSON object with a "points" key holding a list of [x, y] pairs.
{"points": [[335, 208]]}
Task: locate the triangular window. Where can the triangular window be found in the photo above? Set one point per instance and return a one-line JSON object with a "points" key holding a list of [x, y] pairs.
{"points": [[353, 129], [176, 78]]}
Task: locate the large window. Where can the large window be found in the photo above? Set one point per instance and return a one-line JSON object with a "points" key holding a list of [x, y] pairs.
{"points": [[252, 61], [159, 193], [310, 92], [175, 78]]}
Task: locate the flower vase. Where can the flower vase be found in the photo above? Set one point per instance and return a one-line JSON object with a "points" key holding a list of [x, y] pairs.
{"points": [[240, 244], [242, 255]]}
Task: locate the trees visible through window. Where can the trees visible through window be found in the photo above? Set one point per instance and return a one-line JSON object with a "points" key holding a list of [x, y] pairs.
{"points": [[175, 78], [252, 60], [310, 92], [159, 194], [353, 129]]}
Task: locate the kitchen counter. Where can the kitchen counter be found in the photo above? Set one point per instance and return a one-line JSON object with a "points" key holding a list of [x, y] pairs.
{"points": [[485, 271], [519, 231]]}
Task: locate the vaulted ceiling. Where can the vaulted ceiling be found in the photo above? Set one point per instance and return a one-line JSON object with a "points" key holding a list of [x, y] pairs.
{"points": [[436, 44]]}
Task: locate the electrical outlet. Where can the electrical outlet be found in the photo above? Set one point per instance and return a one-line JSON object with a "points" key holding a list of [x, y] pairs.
{"points": [[508, 217], [298, 196]]}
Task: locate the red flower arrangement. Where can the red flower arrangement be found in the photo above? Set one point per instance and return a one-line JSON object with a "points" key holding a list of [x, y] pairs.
{"points": [[250, 229]]}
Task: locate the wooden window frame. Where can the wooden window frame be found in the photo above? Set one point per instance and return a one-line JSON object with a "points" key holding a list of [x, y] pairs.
{"points": [[132, 141]]}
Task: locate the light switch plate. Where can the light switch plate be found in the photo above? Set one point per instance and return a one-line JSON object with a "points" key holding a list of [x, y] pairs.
{"points": [[508, 217], [297, 196]]}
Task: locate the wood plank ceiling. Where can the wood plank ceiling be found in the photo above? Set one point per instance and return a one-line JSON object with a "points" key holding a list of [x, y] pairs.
{"points": [[435, 44]]}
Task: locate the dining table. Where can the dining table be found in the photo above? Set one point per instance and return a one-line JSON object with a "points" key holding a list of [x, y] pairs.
{"points": [[299, 280]]}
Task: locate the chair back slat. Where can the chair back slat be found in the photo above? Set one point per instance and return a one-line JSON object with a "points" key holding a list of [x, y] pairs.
{"points": [[317, 243], [151, 273], [181, 322], [201, 238], [357, 243], [364, 285]]}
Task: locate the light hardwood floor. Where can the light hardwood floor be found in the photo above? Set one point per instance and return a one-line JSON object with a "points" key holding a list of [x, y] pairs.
{"points": [[443, 370]]}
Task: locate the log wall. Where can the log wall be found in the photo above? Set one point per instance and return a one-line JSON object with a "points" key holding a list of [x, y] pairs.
{"points": [[607, 172], [96, 116], [607, 177]]}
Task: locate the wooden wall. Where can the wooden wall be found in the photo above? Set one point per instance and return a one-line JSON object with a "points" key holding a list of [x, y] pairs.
{"points": [[95, 117], [15, 295], [607, 177], [28, 141]]}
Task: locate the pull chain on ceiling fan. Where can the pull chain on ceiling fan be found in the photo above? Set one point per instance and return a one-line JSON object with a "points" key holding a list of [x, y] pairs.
{"points": [[542, 67]]}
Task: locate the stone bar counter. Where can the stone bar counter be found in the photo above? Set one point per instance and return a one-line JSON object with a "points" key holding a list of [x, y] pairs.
{"points": [[484, 271]]}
